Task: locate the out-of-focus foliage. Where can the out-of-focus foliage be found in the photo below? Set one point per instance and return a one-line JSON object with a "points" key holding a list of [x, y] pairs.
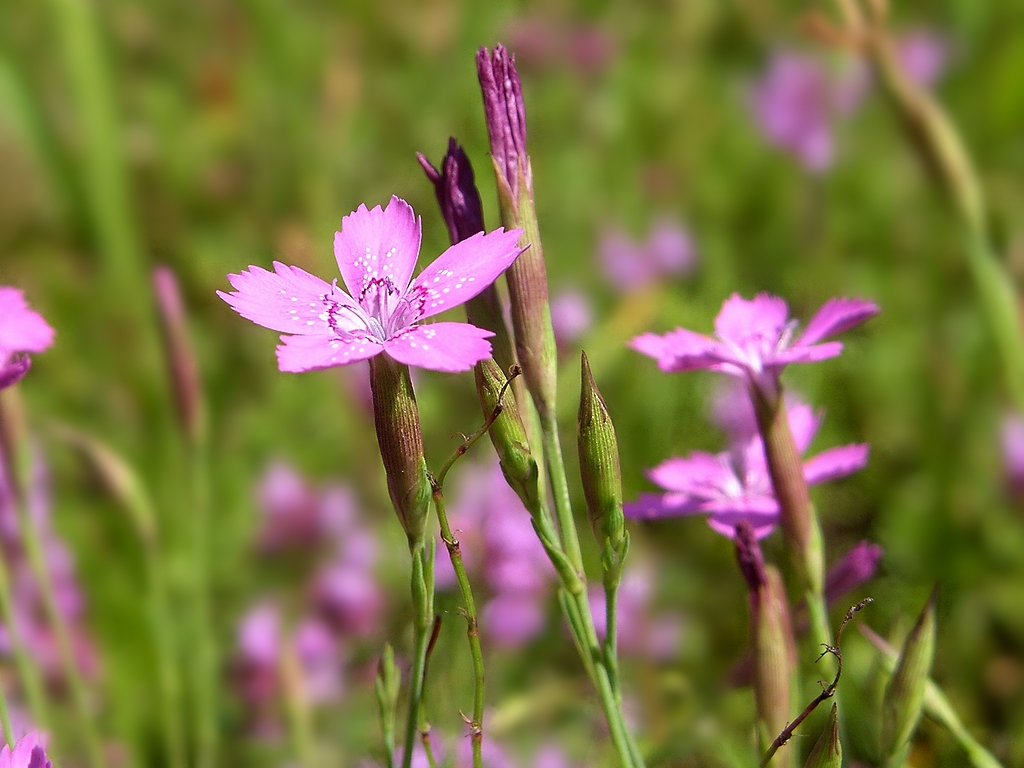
{"points": [[210, 136]]}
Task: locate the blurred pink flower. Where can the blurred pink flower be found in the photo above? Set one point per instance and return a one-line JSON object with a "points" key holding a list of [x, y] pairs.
{"points": [[376, 251], [641, 632], [793, 103], [629, 265], [923, 55], [1013, 452], [21, 331], [496, 536], [571, 316], [754, 339], [735, 485]]}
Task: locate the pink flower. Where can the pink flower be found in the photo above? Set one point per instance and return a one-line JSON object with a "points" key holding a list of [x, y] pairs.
{"points": [[755, 339], [29, 752], [794, 103], [735, 485], [571, 316], [376, 252], [629, 265], [21, 330], [923, 55]]}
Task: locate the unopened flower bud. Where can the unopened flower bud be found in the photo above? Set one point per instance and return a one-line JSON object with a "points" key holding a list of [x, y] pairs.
{"points": [[457, 195], [397, 422], [181, 363], [904, 695], [527, 277], [508, 434], [827, 751], [772, 636], [600, 471]]}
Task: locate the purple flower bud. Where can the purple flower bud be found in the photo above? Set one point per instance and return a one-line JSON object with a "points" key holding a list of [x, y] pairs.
{"points": [[855, 568], [455, 188]]}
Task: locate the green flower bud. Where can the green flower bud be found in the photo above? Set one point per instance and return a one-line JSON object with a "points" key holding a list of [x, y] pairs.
{"points": [[508, 434], [600, 471], [386, 686], [827, 751], [397, 422], [904, 695]]}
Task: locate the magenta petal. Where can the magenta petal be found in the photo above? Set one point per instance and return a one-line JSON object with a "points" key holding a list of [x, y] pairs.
{"points": [[511, 619], [722, 526], [654, 506], [378, 244], [296, 354], [803, 423], [21, 328], [289, 299], [11, 372], [679, 350], [696, 473], [835, 463], [465, 269], [765, 316], [836, 316], [811, 354], [447, 347]]}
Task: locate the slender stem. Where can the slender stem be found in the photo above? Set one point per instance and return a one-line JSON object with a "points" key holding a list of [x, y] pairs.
{"points": [[204, 678], [422, 586], [428, 749], [560, 490], [167, 672], [611, 640], [476, 725]]}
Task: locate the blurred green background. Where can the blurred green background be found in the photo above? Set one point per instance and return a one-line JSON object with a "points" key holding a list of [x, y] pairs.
{"points": [[210, 136]]}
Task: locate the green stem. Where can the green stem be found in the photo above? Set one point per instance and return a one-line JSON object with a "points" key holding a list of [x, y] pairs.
{"points": [[167, 673], [204, 678], [580, 618], [476, 725], [422, 586], [560, 491], [611, 640]]}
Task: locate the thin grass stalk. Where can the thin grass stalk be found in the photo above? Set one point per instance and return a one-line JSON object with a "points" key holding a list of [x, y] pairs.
{"points": [[300, 723]]}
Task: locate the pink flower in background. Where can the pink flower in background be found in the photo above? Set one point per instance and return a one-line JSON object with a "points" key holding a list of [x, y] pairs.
{"points": [[1013, 452], [260, 637], [29, 752], [735, 485], [630, 265], [641, 632], [21, 331], [793, 103], [571, 316], [376, 252], [497, 537], [923, 55], [755, 338], [856, 567]]}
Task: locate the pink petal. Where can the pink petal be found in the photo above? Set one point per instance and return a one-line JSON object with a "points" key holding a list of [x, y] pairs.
{"points": [[654, 506], [835, 463], [696, 473], [720, 525], [447, 347], [465, 269], [679, 350], [296, 354], [378, 244], [764, 316], [289, 299], [836, 316], [811, 354], [803, 423], [21, 328], [732, 511]]}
